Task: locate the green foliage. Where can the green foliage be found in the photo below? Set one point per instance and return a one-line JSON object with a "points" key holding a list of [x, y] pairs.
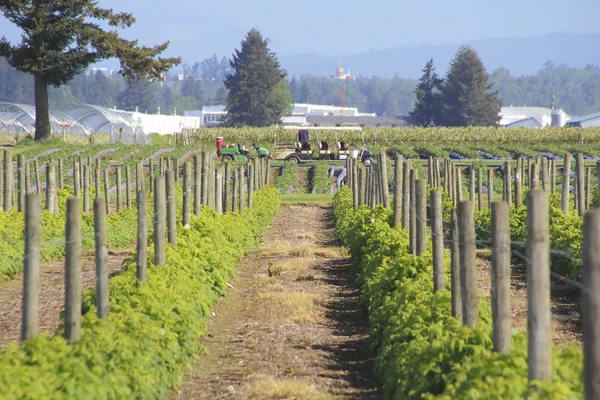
{"points": [[422, 351], [257, 96], [406, 151], [428, 107], [151, 334], [465, 94], [288, 177], [60, 41], [431, 151], [320, 180]]}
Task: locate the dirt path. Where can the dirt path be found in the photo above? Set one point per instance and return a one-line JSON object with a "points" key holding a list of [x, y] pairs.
{"points": [[52, 295], [289, 327]]}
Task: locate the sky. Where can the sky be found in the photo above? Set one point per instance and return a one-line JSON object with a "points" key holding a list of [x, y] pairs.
{"points": [[199, 29]]}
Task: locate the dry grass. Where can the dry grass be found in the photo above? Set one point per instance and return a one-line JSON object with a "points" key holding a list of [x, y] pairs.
{"points": [[298, 307], [296, 264], [306, 236], [268, 388]]}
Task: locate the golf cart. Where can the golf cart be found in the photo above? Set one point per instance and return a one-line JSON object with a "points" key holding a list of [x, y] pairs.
{"points": [[233, 152]]}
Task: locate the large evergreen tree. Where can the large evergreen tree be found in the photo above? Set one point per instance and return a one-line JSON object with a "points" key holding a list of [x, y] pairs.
{"points": [[466, 96], [429, 99], [61, 38], [255, 92]]}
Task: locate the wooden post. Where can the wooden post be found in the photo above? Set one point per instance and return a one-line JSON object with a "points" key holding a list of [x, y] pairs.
{"points": [[151, 175], [438, 173], [544, 171], [86, 190], [455, 267], [8, 180], [61, 176], [219, 189], [187, 193], [566, 183], [118, 188], [529, 173], [204, 184], [142, 235], [76, 180], [534, 176], [38, 182], [538, 287], [250, 184], [406, 195], [211, 185], [31, 267], [518, 191], [507, 183], [553, 176], [159, 220], [227, 187], [21, 182], [98, 183], [501, 314], [241, 194], [385, 191], [588, 173], [468, 263], [590, 303], [73, 271], [171, 207], [176, 169], [139, 176], [268, 172], [458, 175], [479, 189], [355, 195], [430, 170], [397, 190], [101, 256], [598, 178], [490, 173], [437, 240], [107, 190], [413, 212], [128, 186], [51, 193], [580, 185], [361, 188], [234, 188], [472, 184], [421, 204], [197, 184]]}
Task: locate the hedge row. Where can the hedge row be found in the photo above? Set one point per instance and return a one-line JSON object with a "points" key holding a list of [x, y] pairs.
{"points": [[422, 351], [143, 348]]}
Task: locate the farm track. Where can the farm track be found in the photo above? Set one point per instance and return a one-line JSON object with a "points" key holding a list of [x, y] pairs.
{"points": [[52, 294], [289, 326]]}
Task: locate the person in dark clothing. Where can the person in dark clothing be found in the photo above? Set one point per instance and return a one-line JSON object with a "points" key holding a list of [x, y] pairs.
{"points": [[303, 137]]}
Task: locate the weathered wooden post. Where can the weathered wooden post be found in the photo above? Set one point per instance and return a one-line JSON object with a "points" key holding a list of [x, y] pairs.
{"points": [[534, 176], [544, 171], [211, 185], [31, 267], [61, 176], [159, 220], [566, 183], [501, 314], [539, 343], [197, 184], [397, 190], [580, 185], [250, 184], [128, 186], [406, 195], [98, 183], [73, 271], [355, 196], [107, 190], [588, 173], [413, 212], [51, 193], [187, 178], [472, 184], [268, 172], [86, 190], [437, 240], [241, 183], [490, 173], [101, 256], [598, 178], [219, 189], [139, 176], [118, 188], [518, 191], [204, 185], [590, 303], [421, 204], [458, 186], [38, 182], [171, 207], [21, 182], [479, 189], [455, 267], [227, 187], [142, 235], [76, 177], [361, 187], [507, 184], [151, 175], [234, 188], [8, 180], [553, 176], [468, 263]]}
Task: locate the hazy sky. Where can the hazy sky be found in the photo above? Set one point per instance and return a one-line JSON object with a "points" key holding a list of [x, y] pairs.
{"points": [[197, 29]]}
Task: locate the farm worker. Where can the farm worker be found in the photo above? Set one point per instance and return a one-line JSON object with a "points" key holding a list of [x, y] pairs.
{"points": [[339, 173], [303, 137]]}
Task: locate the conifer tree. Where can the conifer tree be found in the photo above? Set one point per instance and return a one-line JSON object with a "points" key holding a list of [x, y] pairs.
{"points": [[466, 96], [61, 38], [429, 100], [257, 93]]}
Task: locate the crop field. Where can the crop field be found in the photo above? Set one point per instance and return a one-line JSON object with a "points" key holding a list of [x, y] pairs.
{"points": [[121, 263]]}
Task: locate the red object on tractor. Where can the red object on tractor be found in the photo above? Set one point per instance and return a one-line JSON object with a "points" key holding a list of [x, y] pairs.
{"points": [[220, 143]]}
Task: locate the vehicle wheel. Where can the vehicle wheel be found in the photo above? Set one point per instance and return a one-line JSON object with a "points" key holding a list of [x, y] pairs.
{"points": [[367, 161], [227, 157], [293, 159]]}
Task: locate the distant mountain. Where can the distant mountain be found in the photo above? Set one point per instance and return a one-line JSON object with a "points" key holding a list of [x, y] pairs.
{"points": [[522, 56]]}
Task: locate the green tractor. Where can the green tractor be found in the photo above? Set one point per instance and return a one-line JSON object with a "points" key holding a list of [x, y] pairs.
{"points": [[236, 153]]}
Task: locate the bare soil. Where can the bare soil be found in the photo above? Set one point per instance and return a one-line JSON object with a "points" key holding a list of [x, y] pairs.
{"points": [[52, 295], [289, 326]]}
